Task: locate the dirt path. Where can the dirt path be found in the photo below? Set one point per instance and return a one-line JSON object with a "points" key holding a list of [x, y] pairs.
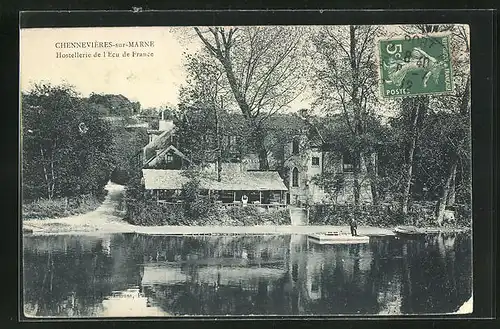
{"points": [[105, 218]]}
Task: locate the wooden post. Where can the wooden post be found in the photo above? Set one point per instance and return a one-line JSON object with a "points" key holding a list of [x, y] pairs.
{"points": [[234, 196], [260, 196], [157, 195]]}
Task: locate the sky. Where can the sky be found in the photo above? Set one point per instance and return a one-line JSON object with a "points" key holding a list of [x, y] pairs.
{"points": [[153, 81]]}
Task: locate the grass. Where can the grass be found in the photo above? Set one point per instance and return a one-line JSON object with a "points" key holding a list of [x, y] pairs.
{"points": [[56, 208]]}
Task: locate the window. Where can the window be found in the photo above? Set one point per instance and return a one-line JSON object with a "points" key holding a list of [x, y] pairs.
{"points": [[231, 142], [295, 177], [169, 158], [295, 146], [347, 162], [315, 161]]}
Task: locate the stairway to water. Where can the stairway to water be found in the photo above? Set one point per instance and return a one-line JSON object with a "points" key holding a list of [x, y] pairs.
{"points": [[298, 216]]}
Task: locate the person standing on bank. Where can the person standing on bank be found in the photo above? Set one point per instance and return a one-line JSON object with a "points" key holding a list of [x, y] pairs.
{"points": [[353, 225]]}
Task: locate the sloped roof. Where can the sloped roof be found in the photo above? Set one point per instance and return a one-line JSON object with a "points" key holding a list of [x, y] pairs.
{"points": [[161, 140], [156, 179], [291, 122], [170, 148], [138, 125], [234, 123]]}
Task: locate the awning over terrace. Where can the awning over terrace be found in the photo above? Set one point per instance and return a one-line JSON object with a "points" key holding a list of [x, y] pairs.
{"points": [[155, 179]]}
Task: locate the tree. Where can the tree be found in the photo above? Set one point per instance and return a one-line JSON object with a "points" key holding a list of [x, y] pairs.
{"points": [[434, 160], [197, 133], [206, 90], [414, 110], [431, 134], [113, 105], [332, 183], [262, 67], [346, 78], [66, 148], [458, 105], [205, 84], [126, 143]]}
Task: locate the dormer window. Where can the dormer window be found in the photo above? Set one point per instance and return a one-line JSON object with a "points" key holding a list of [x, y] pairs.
{"points": [[169, 158], [347, 162], [315, 161], [295, 146]]}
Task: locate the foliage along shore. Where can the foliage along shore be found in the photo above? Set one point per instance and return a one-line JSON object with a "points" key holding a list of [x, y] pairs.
{"points": [[61, 207], [197, 214], [386, 216]]}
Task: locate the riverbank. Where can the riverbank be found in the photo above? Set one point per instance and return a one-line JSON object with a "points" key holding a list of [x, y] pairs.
{"points": [[106, 219]]}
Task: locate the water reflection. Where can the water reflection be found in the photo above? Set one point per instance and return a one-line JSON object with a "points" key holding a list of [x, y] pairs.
{"points": [[136, 275]]}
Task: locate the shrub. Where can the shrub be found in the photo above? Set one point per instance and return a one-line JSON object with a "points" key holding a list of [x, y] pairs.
{"points": [[202, 212], [364, 215], [149, 213], [248, 215], [55, 208], [386, 216], [199, 209], [278, 217]]}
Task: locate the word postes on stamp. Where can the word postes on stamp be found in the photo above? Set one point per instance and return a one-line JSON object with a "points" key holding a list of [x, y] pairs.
{"points": [[415, 65]]}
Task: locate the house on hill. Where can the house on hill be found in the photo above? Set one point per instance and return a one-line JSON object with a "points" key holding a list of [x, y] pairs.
{"points": [[161, 151]]}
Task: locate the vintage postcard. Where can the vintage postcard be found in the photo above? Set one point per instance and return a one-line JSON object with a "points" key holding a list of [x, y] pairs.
{"points": [[246, 171]]}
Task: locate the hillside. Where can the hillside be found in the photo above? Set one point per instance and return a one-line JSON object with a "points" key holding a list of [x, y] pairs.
{"points": [[109, 105]]}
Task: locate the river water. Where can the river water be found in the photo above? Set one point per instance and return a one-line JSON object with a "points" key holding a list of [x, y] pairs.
{"points": [[139, 275]]}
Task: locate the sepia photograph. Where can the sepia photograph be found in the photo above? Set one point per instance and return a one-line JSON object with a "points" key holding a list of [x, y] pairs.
{"points": [[254, 170]]}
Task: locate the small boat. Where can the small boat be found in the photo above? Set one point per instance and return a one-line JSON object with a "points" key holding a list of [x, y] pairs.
{"points": [[338, 238], [408, 230]]}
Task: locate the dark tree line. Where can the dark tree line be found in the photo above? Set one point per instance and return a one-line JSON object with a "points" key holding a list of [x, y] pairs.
{"points": [[68, 150], [66, 147]]}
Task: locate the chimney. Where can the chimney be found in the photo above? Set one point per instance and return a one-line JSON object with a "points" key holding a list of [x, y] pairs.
{"points": [[163, 124]]}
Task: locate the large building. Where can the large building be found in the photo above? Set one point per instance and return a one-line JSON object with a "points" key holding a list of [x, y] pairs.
{"points": [[295, 156]]}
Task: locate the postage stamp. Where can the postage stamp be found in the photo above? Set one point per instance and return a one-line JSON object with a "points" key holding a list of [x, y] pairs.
{"points": [[415, 65]]}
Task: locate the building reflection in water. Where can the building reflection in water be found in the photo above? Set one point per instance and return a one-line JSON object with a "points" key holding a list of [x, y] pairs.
{"points": [[134, 275]]}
